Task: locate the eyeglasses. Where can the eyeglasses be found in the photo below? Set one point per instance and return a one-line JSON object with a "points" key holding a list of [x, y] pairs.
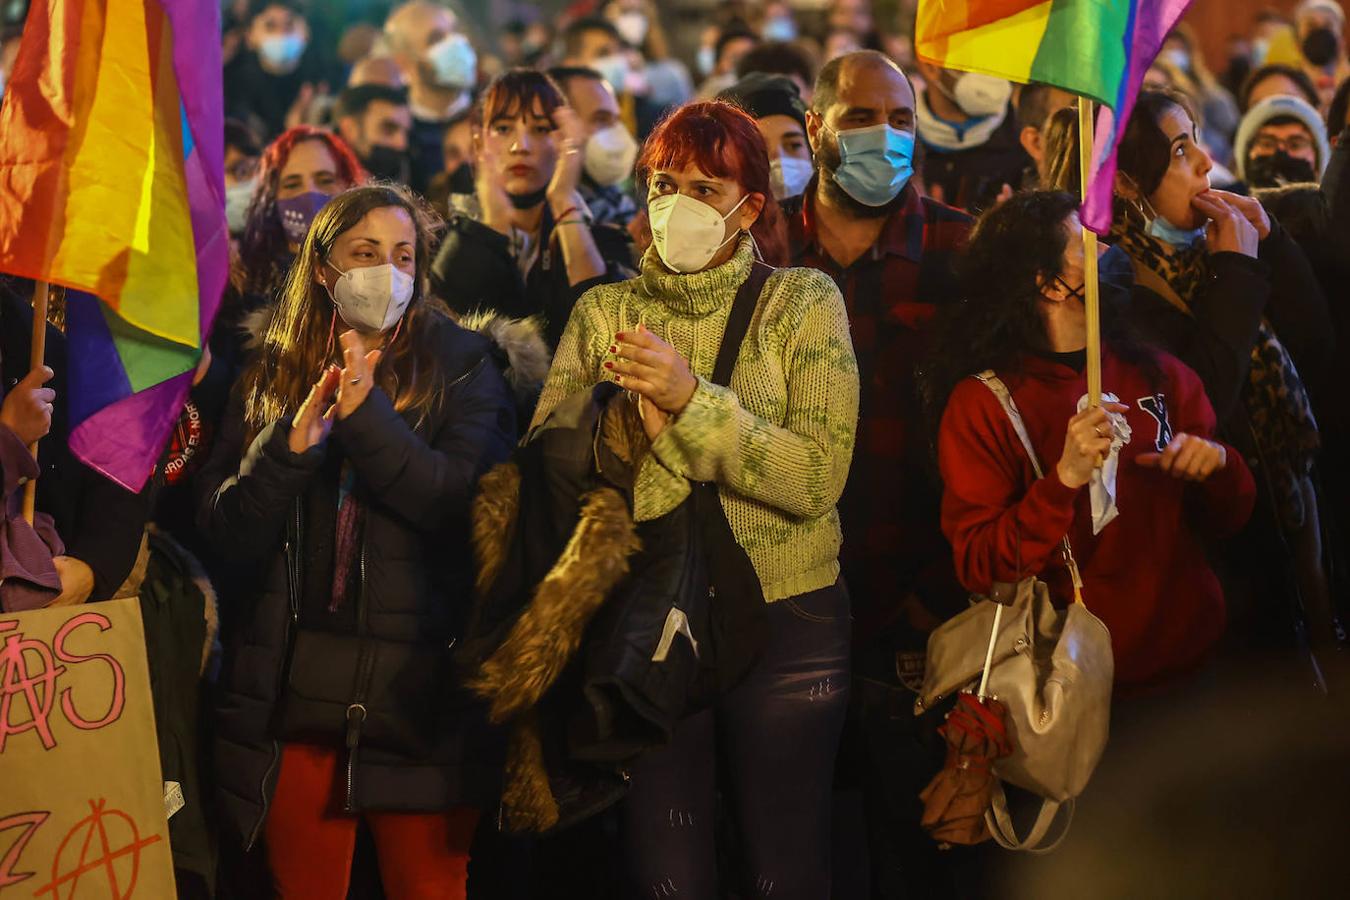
{"points": [[1298, 143]]}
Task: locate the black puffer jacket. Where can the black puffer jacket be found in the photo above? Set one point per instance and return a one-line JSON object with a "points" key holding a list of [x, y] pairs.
{"points": [[414, 477]]}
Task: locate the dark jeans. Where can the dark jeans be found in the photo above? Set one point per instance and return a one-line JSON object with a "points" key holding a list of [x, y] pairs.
{"points": [[776, 734]]}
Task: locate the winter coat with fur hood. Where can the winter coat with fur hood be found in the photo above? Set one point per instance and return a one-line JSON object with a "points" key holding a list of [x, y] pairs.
{"points": [[276, 511]]}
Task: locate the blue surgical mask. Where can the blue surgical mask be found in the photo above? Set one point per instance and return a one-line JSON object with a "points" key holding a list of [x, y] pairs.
{"points": [[282, 51], [706, 60], [454, 61], [1180, 238], [780, 28], [875, 163], [614, 69]]}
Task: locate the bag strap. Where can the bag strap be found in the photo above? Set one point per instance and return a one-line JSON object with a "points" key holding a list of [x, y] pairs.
{"points": [[738, 322], [1004, 832], [1005, 399]]}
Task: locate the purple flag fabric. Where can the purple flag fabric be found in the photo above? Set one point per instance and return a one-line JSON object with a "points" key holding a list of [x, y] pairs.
{"points": [[1151, 20]]}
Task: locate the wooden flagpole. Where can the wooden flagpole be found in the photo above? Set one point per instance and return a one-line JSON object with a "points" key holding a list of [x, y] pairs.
{"points": [[38, 352], [1090, 295]]}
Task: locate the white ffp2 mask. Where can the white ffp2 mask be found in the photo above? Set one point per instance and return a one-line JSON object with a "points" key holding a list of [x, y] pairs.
{"points": [[371, 299], [688, 233]]}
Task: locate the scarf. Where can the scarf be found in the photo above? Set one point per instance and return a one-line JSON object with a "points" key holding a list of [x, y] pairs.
{"points": [[1277, 405]]}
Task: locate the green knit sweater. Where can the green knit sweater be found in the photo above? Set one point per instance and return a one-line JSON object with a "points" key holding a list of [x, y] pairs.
{"points": [[777, 442]]}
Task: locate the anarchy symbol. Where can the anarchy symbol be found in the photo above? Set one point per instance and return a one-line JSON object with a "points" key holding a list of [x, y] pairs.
{"points": [[105, 855]]}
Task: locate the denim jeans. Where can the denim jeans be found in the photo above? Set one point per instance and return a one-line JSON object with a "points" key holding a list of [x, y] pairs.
{"points": [[776, 735]]}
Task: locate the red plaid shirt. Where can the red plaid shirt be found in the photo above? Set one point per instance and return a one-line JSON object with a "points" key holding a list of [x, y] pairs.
{"points": [[891, 508]]}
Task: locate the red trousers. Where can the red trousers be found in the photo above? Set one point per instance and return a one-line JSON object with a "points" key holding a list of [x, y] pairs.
{"points": [[310, 845]]}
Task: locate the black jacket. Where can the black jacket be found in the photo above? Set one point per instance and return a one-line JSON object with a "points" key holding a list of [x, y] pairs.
{"points": [[1216, 340], [474, 270], [260, 99], [415, 476], [99, 521], [971, 179]]}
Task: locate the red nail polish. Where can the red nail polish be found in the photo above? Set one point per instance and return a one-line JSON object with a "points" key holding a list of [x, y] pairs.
{"points": [[614, 349], [609, 365], [619, 336]]}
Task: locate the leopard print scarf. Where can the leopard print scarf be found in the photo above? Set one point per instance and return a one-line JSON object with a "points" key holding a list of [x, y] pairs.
{"points": [[1276, 401]]}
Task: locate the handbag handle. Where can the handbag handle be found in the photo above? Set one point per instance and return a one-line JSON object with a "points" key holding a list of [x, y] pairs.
{"points": [[1005, 399]]}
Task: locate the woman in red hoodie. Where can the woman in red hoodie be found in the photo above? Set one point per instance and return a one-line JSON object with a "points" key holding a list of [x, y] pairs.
{"points": [[1144, 571]]}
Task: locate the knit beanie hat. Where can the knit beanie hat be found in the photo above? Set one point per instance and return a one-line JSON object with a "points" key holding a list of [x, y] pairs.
{"points": [[762, 95], [1276, 107]]}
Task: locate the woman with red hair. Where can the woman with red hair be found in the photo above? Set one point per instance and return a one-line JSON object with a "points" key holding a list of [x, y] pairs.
{"points": [[776, 441], [299, 172]]}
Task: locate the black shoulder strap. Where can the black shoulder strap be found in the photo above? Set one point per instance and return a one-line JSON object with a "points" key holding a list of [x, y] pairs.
{"points": [[738, 323]]}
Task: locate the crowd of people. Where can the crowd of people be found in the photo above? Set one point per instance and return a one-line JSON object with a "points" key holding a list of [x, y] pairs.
{"points": [[753, 287]]}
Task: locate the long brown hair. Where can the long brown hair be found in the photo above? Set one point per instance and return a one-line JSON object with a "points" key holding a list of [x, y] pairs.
{"points": [[301, 338]]}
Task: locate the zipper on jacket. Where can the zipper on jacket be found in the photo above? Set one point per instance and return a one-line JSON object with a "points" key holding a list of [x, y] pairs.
{"points": [[292, 550], [356, 711]]}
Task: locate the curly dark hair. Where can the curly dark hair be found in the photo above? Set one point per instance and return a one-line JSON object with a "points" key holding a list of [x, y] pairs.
{"points": [[998, 320]]}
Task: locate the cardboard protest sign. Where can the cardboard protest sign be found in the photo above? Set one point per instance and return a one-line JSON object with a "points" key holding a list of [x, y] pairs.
{"points": [[82, 809]]}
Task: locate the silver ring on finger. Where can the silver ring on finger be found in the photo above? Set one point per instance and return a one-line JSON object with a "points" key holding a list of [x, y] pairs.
{"points": [[1098, 430], [356, 380]]}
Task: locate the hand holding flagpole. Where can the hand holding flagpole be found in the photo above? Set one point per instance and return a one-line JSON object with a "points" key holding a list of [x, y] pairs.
{"points": [[37, 353]]}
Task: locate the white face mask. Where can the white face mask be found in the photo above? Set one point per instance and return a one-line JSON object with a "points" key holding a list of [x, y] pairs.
{"points": [[373, 298], [632, 27], [237, 199], [688, 233], [788, 176], [981, 95], [610, 154]]}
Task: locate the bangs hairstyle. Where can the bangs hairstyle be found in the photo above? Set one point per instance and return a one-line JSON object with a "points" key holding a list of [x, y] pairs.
{"points": [[300, 340], [516, 93], [723, 141]]}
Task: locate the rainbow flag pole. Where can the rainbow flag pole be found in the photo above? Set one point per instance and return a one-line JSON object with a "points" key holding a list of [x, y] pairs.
{"points": [[41, 290], [1092, 292]]}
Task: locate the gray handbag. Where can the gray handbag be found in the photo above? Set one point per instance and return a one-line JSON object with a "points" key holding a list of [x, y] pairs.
{"points": [[1052, 669]]}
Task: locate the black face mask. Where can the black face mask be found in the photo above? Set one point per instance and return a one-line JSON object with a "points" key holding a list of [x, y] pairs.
{"points": [[387, 163], [461, 179], [1320, 46], [530, 200], [1278, 169]]}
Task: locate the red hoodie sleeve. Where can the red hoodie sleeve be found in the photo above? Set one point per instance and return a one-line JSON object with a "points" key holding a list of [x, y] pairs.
{"points": [[1221, 505], [1000, 529]]}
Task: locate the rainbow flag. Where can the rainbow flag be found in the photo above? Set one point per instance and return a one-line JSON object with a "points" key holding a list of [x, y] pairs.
{"points": [[1097, 48], [112, 184]]}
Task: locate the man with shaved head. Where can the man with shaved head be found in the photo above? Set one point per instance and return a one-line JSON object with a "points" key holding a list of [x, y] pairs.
{"points": [[863, 221], [441, 70]]}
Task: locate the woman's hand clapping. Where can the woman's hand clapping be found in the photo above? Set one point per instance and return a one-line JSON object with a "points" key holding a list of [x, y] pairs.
{"points": [[651, 368]]}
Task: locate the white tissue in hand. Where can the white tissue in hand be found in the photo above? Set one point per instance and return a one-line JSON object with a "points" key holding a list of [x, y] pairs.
{"points": [[1102, 487]]}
